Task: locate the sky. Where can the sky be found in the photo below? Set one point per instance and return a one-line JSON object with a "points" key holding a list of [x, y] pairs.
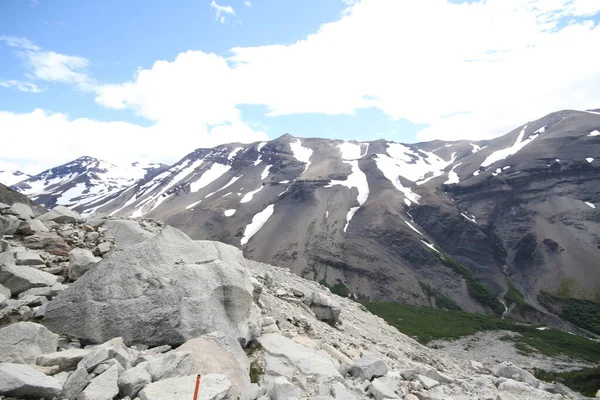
{"points": [[153, 80]]}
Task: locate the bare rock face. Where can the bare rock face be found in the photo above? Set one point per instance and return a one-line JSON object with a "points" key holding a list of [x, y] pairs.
{"points": [[24, 381], [24, 342], [165, 290]]}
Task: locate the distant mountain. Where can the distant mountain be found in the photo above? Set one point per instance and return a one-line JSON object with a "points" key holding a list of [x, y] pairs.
{"points": [[436, 223], [84, 183], [11, 177]]}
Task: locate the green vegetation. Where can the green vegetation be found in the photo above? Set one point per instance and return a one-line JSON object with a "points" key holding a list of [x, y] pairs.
{"points": [[256, 371], [441, 301], [583, 313], [475, 289], [339, 288], [585, 381], [427, 324], [514, 296]]}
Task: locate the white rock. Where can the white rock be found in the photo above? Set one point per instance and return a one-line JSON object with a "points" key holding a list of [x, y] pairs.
{"points": [[281, 389], [75, 384], [61, 215], [212, 387], [384, 388], [28, 258], [336, 354], [427, 383], [368, 367], [66, 360], [508, 370], [22, 211], [24, 342], [31, 226], [24, 381], [102, 387], [80, 262], [325, 308], [19, 278], [171, 365]]}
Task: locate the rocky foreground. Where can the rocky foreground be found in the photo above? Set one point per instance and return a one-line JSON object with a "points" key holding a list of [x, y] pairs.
{"points": [[129, 309]]}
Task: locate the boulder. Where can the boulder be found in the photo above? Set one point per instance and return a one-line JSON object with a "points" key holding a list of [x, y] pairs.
{"points": [[114, 348], [170, 365], [125, 233], [66, 360], [427, 383], [80, 262], [102, 387], [341, 392], [133, 380], [21, 211], [507, 370], [75, 384], [9, 224], [221, 355], [281, 389], [46, 291], [28, 258], [19, 278], [102, 248], [4, 245], [369, 367], [24, 342], [5, 291], [304, 359], [212, 387], [384, 388], [24, 381], [31, 226], [325, 308], [165, 290], [61, 215], [47, 241]]}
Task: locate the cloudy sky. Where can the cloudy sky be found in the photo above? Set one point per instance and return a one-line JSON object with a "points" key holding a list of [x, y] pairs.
{"points": [[153, 80]]}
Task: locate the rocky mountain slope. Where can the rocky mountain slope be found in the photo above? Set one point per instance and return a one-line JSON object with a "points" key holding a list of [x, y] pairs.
{"points": [[12, 177], [411, 223], [115, 308], [84, 183]]}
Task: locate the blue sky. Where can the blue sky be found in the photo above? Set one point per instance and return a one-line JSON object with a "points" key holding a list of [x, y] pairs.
{"points": [[126, 75]]}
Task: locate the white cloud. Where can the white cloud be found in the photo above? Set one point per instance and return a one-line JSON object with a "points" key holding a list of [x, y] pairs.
{"points": [[222, 11], [19, 42], [61, 139], [489, 66], [22, 86], [51, 66], [248, 4]]}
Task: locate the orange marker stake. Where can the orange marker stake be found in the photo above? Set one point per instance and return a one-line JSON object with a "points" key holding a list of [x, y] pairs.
{"points": [[197, 387]]}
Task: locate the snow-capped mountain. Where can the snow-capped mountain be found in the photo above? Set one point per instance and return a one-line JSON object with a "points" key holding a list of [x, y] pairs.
{"points": [[83, 184], [384, 218], [11, 177]]}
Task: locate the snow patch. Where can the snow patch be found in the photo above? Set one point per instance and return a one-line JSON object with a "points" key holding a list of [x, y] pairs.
{"points": [[260, 146], [326, 214], [471, 218], [234, 153], [248, 196], [212, 174], [392, 170], [231, 182], [432, 247], [301, 153], [284, 182], [356, 179], [413, 228], [590, 204], [509, 151], [366, 149], [68, 197], [589, 159], [350, 151], [542, 129], [258, 221], [594, 133], [194, 204], [476, 148], [453, 176], [476, 173], [265, 172], [229, 213]]}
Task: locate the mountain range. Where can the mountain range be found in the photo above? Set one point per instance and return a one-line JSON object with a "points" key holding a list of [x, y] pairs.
{"points": [[447, 224]]}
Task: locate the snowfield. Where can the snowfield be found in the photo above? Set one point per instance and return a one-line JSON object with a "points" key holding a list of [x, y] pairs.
{"points": [[214, 172], [258, 221], [509, 151], [356, 179], [301, 153]]}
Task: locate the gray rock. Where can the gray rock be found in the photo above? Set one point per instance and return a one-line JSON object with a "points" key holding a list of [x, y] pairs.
{"points": [[61, 215], [66, 360], [508, 370], [47, 241], [24, 381], [221, 355], [341, 392], [19, 278], [427, 383], [170, 365], [305, 359], [75, 384], [2, 300], [4, 245], [4, 206], [102, 248], [81, 261], [24, 342], [384, 388], [165, 290], [213, 387], [114, 348], [336, 354], [133, 380], [28, 258], [5, 291], [125, 233], [31, 226], [21, 211], [369, 367], [281, 389], [325, 308], [9, 224], [47, 291], [41, 311], [102, 387]]}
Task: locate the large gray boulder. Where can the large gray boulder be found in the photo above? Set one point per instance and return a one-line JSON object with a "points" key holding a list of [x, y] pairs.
{"points": [[75, 384], [102, 387], [9, 224], [368, 367], [21, 211], [281, 389], [31, 226], [28, 258], [170, 365], [80, 262], [24, 342], [134, 379], [221, 355], [508, 370], [325, 308], [61, 215], [125, 233], [19, 278], [213, 387], [65, 360], [165, 290], [24, 381]]}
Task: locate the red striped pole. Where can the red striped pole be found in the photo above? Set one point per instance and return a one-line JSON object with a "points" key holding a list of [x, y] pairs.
{"points": [[197, 387]]}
